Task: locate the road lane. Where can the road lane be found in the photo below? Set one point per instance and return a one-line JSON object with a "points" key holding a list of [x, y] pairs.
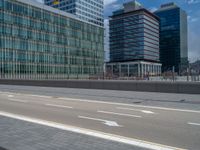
{"points": [[64, 99], [167, 127]]}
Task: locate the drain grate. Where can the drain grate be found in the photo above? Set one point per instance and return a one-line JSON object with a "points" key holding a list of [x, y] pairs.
{"points": [[182, 100], [138, 102]]}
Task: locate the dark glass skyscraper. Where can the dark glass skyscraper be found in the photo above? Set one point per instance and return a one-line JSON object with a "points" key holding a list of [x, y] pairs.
{"points": [[134, 34], [173, 37], [134, 40]]}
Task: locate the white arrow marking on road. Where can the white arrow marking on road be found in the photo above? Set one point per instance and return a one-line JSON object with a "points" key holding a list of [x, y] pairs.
{"points": [[147, 112], [112, 124], [106, 122], [144, 111], [195, 124]]}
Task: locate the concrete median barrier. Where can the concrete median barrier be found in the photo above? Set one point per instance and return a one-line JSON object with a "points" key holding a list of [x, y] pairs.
{"points": [[144, 86]]}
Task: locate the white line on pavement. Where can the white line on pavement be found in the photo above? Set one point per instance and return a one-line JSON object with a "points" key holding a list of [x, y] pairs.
{"points": [[60, 106], [106, 122], [41, 96], [120, 114], [143, 111], [93, 133], [83, 117], [119, 104], [131, 105], [195, 124], [18, 100], [10, 95]]}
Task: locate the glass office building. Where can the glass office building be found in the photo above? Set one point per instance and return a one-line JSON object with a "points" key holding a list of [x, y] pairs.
{"points": [[88, 10], [40, 42], [173, 38], [134, 37]]}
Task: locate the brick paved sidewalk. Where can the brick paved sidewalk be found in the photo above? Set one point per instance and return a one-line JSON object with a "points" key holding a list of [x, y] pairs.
{"points": [[20, 135]]}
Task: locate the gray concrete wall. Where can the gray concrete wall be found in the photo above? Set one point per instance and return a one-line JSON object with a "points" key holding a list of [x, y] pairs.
{"points": [[146, 86]]}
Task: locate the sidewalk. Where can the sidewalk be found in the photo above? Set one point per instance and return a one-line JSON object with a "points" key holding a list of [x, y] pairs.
{"points": [[20, 135]]}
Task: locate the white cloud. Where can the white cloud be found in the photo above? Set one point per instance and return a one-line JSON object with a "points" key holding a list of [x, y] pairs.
{"points": [[194, 50], [193, 36], [108, 2], [41, 1], [192, 1], [153, 9], [192, 19]]}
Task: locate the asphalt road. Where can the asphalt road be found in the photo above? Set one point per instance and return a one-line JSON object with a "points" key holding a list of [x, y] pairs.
{"points": [[172, 127], [181, 101]]}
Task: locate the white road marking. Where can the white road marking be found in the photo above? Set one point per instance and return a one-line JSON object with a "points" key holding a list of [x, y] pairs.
{"points": [[131, 105], [10, 95], [195, 124], [93, 133], [120, 114], [60, 106], [143, 111], [18, 100], [41, 96], [119, 104], [106, 122], [6, 92]]}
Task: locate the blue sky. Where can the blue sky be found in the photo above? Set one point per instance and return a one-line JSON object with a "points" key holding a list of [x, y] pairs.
{"points": [[192, 7]]}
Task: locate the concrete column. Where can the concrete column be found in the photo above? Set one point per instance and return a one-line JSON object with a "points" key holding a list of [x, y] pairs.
{"points": [[112, 69], [138, 70], [153, 70], [142, 73], [120, 71], [128, 70]]}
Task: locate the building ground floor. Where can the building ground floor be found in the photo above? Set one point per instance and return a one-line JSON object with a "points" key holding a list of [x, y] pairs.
{"points": [[133, 69], [14, 70]]}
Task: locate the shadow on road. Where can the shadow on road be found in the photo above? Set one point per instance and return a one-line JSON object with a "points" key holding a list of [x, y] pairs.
{"points": [[1, 148]]}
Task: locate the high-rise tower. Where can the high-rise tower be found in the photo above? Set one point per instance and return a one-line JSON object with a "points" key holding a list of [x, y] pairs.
{"points": [[134, 41], [173, 37], [88, 10]]}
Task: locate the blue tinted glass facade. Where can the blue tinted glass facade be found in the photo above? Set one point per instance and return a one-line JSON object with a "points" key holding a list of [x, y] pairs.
{"points": [[88, 10], [134, 36], [38, 42], [173, 38]]}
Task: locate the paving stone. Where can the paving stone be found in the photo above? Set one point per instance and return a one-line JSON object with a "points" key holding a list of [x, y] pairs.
{"points": [[21, 135]]}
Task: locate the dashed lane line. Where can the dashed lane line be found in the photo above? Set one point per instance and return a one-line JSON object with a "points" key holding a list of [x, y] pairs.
{"points": [[119, 114], [18, 100], [59, 106]]}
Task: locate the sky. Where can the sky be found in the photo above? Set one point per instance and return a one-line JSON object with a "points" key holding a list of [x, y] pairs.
{"points": [[192, 8]]}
